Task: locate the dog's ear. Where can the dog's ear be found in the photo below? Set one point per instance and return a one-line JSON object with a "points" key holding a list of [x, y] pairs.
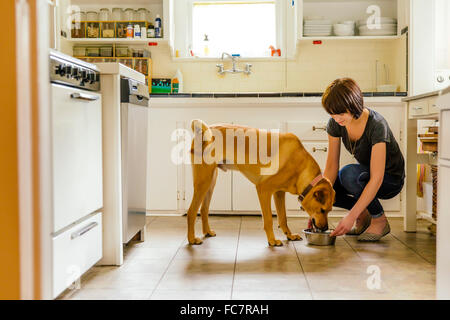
{"points": [[320, 195]]}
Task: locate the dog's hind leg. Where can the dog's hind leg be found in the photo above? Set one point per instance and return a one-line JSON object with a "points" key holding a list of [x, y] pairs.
{"points": [[202, 176], [264, 200], [205, 207], [279, 198]]}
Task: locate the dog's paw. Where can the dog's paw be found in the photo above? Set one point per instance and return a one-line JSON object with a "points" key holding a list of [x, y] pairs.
{"points": [[210, 233], [275, 243], [294, 237], [195, 241]]}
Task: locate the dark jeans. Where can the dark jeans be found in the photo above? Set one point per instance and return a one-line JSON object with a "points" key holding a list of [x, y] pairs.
{"points": [[351, 181]]}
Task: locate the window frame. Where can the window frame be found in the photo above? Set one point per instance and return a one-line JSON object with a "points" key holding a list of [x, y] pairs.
{"points": [[279, 32]]}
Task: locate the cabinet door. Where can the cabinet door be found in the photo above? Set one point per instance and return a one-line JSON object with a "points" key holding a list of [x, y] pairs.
{"points": [[162, 183], [245, 197]]}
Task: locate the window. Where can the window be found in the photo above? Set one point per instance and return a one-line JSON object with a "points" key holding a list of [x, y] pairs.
{"points": [[247, 28]]}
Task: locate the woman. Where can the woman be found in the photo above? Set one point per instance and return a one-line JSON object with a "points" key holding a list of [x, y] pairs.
{"points": [[379, 173]]}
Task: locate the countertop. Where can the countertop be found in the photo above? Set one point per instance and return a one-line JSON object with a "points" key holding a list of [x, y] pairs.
{"points": [[421, 96], [120, 69], [179, 101]]}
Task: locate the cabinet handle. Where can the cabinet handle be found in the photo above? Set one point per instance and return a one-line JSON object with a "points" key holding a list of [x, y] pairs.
{"points": [[417, 108], [79, 233], [319, 128], [84, 96], [324, 149]]}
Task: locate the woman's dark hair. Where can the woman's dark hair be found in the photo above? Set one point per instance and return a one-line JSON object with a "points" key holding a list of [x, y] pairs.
{"points": [[343, 95]]}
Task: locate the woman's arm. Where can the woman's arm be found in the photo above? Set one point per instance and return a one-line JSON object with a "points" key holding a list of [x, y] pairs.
{"points": [[377, 166], [334, 152]]}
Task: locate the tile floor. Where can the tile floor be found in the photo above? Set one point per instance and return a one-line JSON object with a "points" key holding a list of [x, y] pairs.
{"points": [[238, 264]]}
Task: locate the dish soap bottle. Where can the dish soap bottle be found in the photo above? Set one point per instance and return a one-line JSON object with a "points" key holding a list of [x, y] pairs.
{"points": [[206, 47], [177, 82]]}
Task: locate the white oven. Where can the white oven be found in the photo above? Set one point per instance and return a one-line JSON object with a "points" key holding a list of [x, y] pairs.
{"points": [[77, 187]]}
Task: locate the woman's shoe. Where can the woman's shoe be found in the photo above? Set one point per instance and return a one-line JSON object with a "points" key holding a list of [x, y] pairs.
{"points": [[371, 237], [356, 231]]}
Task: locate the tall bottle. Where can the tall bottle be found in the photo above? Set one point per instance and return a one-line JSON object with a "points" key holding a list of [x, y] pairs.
{"points": [[158, 27]]}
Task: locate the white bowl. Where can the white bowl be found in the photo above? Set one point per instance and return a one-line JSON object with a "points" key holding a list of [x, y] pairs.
{"points": [[343, 28]]}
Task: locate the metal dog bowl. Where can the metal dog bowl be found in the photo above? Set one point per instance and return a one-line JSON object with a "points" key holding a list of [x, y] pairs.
{"points": [[318, 238]]}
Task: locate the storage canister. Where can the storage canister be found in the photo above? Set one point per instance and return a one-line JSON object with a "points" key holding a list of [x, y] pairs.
{"points": [[117, 14], [104, 15], [128, 14], [143, 14], [92, 16]]}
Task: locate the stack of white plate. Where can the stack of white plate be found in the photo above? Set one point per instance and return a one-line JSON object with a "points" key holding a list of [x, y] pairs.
{"points": [[387, 27], [317, 27]]}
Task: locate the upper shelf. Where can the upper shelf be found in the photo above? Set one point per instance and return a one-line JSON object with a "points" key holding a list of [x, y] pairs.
{"points": [[116, 40], [349, 38]]}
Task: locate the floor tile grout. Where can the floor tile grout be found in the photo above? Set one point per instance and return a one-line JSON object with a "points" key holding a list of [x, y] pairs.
{"points": [[235, 260], [303, 271], [416, 252], [167, 268]]}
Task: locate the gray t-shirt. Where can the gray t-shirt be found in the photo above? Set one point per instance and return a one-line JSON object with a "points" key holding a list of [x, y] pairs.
{"points": [[376, 130]]}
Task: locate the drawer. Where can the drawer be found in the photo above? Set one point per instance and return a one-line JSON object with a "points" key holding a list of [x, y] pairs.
{"points": [[418, 108], [308, 130], [75, 251], [432, 106]]}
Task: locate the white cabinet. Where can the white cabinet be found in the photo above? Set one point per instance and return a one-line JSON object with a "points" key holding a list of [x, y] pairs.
{"points": [[162, 179], [344, 10]]}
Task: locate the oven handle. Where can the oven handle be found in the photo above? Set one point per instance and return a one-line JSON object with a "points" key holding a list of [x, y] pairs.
{"points": [[84, 96]]}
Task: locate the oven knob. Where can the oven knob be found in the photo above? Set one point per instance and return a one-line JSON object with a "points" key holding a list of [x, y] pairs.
{"points": [[75, 73], [61, 70], [68, 70], [84, 75], [440, 79], [91, 77]]}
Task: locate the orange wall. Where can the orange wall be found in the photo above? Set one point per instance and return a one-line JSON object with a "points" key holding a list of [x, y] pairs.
{"points": [[9, 207]]}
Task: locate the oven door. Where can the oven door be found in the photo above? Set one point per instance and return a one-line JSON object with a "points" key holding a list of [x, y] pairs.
{"points": [[77, 154]]}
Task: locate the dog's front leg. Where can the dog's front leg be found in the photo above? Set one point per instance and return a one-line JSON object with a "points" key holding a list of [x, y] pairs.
{"points": [[264, 200], [279, 198]]}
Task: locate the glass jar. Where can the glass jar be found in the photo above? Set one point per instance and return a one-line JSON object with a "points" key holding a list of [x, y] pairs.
{"points": [[104, 15], [83, 16], [136, 15], [91, 16], [76, 16], [143, 14], [128, 14], [77, 26], [117, 14]]}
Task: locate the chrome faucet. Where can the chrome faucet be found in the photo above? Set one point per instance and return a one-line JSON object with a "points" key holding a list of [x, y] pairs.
{"points": [[234, 59]]}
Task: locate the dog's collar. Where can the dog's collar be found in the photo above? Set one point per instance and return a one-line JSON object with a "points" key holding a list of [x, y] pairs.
{"points": [[310, 186]]}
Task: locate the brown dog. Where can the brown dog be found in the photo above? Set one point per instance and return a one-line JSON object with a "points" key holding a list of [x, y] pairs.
{"points": [[286, 167]]}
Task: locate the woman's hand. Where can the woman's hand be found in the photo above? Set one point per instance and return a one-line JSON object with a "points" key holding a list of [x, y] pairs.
{"points": [[344, 226]]}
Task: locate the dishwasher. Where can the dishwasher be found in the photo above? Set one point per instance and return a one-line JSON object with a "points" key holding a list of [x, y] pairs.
{"points": [[134, 124]]}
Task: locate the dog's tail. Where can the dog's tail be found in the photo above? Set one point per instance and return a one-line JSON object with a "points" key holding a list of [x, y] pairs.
{"points": [[200, 128]]}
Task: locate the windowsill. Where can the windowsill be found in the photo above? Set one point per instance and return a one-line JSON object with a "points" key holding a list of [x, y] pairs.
{"points": [[216, 59]]}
